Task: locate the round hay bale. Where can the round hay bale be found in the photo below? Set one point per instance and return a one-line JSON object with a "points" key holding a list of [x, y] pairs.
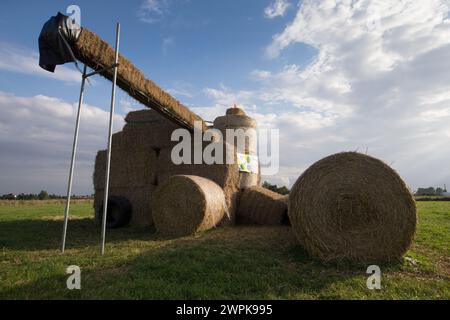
{"points": [[185, 204], [227, 176], [350, 206], [260, 206]]}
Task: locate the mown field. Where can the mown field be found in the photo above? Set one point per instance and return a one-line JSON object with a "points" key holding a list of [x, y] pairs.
{"points": [[229, 263]]}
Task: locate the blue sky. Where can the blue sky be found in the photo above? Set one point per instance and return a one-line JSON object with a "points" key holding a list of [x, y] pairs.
{"points": [[189, 46], [367, 75]]}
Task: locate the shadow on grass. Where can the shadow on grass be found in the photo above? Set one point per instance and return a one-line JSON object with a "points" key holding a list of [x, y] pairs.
{"points": [[230, 263], [300, 254], [32, 235]]}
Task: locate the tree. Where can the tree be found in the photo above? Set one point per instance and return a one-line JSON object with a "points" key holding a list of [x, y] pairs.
{"points": [[273, 187], [43, 195], [283, 190], [426, 191]]}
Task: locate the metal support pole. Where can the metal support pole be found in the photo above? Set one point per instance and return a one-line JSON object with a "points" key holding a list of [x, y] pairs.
{"points": [[108, 158], [72, 163], [93, 73]]}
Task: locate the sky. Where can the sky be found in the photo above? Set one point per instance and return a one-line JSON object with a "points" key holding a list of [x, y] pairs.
{"points": [[331, 75]]}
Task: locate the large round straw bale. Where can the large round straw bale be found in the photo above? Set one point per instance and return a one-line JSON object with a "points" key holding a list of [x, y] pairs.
{"points": [[260, 206], [227, 176], [354, 207], [187, 204]]}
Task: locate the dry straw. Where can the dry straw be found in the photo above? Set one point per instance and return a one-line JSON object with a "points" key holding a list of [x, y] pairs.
{"points": [[225, 175], [236, 118], [260, 206], [147, 129], [186, 204], [354, 207], [236, 111], [133, 175], [141, 160], [131, 165], [234, 121], [98, 54]]}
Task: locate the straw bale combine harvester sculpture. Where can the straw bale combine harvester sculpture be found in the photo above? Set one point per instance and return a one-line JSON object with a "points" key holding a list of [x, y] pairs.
{"points": [[347, 206]]}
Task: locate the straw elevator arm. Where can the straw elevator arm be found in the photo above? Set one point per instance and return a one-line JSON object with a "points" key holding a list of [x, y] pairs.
{"points": [[96, 53]]}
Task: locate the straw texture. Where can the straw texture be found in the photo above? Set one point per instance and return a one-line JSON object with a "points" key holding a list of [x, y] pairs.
{"points": [[187, 204], [350, 206], [225, 175], [98, 54], [260, 206]]}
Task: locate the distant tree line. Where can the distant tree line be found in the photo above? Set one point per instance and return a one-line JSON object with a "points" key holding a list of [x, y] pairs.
{"points": [[42, 195], [430, 191], [273, 187]]}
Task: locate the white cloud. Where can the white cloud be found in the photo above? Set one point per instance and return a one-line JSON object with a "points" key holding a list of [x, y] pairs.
{"points": [[19, 59], [391, 30], [167, 43], [36, 141], [152, 11], [379, 82], [261, 74], [226, 97], [156, 6], [180, 92], [128, 104], [210, 113], [182, 89], [276, 9]]}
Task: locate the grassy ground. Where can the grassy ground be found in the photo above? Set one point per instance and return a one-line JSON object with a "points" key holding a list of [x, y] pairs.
{"points": [[241, 262]]}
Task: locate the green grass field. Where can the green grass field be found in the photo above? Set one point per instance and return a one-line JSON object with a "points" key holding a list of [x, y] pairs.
{"points": [[228, 263]]}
